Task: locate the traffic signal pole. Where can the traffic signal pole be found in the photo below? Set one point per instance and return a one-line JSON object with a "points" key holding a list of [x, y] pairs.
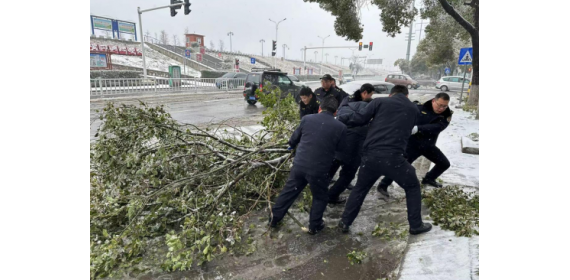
{"points": [[139, 11]]}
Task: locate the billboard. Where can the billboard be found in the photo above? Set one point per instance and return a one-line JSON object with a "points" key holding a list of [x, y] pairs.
{"points": [[116, 26], [98, 60], [126, 27], [102, 23], [374, 61]]}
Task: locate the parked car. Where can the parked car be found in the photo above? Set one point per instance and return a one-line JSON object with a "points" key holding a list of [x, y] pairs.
{"points": [[346, 78], [296, 81], [258, 78], [232, 79], [402, 79], [452, 83], [379, 86]]}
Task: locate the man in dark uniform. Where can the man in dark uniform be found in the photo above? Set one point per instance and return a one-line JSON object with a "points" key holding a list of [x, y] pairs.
{"points": [[317, 139], [355, 136], [343, 93], [391, 122], [327, 88], [434, 117], [308, 104]]}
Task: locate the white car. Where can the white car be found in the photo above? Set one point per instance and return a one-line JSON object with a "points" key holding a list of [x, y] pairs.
{"points": [[379, 86], [296, 81], [452, 83]]}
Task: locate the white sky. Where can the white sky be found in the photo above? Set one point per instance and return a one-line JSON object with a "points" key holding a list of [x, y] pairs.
{"points": [[249, 21]]}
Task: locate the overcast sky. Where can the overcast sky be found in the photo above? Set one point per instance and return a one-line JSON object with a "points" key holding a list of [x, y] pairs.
{"points": [[249, 21]]}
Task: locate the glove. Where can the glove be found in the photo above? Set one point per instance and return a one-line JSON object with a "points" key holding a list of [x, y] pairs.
{"points": [[415, 130], [289, 148]]}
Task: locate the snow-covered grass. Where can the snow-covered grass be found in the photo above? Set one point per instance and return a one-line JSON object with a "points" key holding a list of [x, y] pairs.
{"points": [[154, 59]]}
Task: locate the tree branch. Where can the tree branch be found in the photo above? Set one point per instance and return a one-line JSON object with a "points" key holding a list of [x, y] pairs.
{"points": [[464, 23]]}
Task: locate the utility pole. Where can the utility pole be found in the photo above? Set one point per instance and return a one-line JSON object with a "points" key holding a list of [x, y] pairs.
{"points": [[276, 30], [262, 41], [421, 27], [284, 46], [230, 34], [322, 52], [410, 36]]}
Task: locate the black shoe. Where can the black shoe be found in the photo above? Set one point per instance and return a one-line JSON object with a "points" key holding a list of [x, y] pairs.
{"points": [[270, 223], [432, 183], [343, 227], [339, 200], [313, 231], [383, 191], [350, 187], [424, 228]]}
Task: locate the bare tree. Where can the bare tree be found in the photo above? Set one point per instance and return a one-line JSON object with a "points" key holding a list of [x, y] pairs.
{"points": [[155, 37], [186, 30], [212, 46], [175, 39], [147, 35], [221, 45], [164, 37]]}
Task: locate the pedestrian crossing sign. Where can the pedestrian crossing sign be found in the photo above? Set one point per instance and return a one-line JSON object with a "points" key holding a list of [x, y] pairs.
{"points": [[465, 56]]}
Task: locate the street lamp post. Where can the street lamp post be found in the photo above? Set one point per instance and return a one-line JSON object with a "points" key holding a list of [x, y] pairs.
{"points": [[276, 30], [284, 46], [327, 55], [335, 57], [322, 51], [262, 41], [316, 52], [230, 34]]}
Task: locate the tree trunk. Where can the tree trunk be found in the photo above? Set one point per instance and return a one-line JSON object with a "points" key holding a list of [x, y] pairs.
{"points": [[474, 94]]}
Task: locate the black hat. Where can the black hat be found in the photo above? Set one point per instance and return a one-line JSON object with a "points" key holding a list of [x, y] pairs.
{"points": [[327, 77]]}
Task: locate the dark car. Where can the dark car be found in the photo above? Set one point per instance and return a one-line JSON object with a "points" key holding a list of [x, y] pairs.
{"points": [[258, 79], [231, 80]]}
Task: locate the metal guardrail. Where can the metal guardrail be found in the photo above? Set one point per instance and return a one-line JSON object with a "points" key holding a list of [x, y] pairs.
{"points": [[117, 87]]}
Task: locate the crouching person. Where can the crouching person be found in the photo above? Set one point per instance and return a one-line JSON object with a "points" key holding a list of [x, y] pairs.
{"points": [[316, 140]]}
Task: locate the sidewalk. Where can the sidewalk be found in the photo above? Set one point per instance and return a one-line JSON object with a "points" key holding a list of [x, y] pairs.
{"points": [[439, 254]]}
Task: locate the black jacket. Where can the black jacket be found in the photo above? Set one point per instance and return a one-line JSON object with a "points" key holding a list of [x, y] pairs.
{"points": [[393, 119], [316, 140], [355, 135], [430, 125], [320, 93], [312, 108]]}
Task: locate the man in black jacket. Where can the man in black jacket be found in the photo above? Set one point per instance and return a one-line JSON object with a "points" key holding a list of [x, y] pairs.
{"points": [[308, 104], [327, 88], [434, 117], [391, 122], [355, 136], [317, 139]]}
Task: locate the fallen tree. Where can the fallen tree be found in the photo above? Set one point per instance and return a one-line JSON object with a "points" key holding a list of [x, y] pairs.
{"points": [[156, 182]]}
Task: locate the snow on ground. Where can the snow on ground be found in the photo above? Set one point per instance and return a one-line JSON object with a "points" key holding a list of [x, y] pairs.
{"points": [[154, 59], [439, 254], [464, 168]]}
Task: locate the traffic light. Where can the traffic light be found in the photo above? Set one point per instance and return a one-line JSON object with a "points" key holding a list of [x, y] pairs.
{"points": [[360, 46], [370, 46], [274, 48], [187, 7], [173, 9], [237, 62]]}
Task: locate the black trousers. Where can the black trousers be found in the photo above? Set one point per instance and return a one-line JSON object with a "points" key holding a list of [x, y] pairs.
{"points": [[393, 166], [433, 154], [346, 175], [297, 181]]}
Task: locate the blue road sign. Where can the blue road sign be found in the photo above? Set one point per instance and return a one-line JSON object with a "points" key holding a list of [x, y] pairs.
{"points": [[187, 52], [447, 70], [465, 56], [252, 60]]}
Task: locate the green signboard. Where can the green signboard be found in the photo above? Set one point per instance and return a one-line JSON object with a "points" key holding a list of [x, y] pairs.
{"points": [[126, 27], [102, 23]]}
